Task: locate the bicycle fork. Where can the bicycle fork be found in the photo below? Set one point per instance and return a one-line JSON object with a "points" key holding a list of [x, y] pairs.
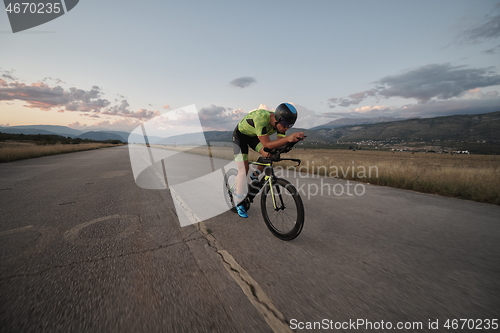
{"points": [[273, 196]]}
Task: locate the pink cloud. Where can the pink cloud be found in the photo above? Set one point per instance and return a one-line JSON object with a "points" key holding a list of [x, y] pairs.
{"points": [[40, 95]]}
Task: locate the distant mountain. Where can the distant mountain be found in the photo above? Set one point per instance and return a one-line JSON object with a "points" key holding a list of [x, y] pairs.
{"points": [[354, 121], [219, 136], [195, 139], [467, 128], [477, 127], [470, 128], [66, 132], [11, 130], [123, 135], [100, 136], [42, 129]]}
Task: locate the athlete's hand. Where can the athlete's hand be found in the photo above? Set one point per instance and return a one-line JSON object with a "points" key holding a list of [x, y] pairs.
{"points": [[298, 136]]}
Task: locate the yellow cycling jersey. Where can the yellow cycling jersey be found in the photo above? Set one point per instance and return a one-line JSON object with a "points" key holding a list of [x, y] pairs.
{"points": [[256, 123]]}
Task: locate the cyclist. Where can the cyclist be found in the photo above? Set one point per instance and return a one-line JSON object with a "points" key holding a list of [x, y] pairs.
{"points": [[254, 131]]}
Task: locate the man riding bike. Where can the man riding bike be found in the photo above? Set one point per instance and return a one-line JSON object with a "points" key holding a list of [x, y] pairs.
{"points": [[254, 131]]}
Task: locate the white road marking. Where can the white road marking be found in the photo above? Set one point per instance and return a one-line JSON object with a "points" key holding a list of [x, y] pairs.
{"points": [[72, 233], [274, 318], [12, 231]]}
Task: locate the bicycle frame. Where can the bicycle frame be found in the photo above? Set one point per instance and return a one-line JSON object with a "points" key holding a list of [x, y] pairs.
{"points": [[270, 177]]}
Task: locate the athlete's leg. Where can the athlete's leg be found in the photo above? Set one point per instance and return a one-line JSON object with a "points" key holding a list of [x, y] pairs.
{"points": [[264, 154], [256, 145], [240, 146], [241, 179]]}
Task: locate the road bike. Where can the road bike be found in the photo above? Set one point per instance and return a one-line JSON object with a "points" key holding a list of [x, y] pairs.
{"points": [[280, 202]]}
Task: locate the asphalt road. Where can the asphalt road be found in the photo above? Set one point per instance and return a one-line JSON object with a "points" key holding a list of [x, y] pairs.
{"points": [[83, 248]]}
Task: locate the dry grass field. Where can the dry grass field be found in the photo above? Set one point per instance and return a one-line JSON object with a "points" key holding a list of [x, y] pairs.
{"points": [[12, 151], [472, 177]]}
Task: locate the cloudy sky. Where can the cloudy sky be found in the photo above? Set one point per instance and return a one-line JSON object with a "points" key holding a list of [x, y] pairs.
{"points": [[116, 64]]}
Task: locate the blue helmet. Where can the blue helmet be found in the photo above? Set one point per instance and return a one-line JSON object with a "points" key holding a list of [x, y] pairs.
{"points": [[287, 112]]}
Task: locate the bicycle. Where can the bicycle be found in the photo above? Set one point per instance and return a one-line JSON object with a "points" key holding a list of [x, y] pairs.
{"points": [[281, 205]]}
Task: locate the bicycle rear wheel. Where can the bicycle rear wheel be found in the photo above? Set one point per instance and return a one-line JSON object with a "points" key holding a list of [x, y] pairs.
{"points": [[230, 190], [282, 209]]}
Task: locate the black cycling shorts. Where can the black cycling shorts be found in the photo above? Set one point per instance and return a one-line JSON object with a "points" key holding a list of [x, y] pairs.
{"points": [[241, 142]]}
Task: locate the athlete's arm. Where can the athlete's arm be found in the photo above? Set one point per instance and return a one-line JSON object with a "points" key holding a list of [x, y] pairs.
{"points": [[267, 143]]}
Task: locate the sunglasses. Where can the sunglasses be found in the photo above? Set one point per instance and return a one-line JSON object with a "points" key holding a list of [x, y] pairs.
{"points": [[285, 124]]}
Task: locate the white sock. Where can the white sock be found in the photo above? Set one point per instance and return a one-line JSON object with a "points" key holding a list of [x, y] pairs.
{"points": [[239, 197]]}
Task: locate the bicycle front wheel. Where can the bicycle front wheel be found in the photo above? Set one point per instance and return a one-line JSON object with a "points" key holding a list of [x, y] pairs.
{"points": [[282, 209]]}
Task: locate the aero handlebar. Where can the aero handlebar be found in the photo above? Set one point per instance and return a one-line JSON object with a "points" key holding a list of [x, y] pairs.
{"points": [[275, 153]]}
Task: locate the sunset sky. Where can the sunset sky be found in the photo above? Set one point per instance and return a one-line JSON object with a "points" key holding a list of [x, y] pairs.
{"points": [[116, 64]]}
